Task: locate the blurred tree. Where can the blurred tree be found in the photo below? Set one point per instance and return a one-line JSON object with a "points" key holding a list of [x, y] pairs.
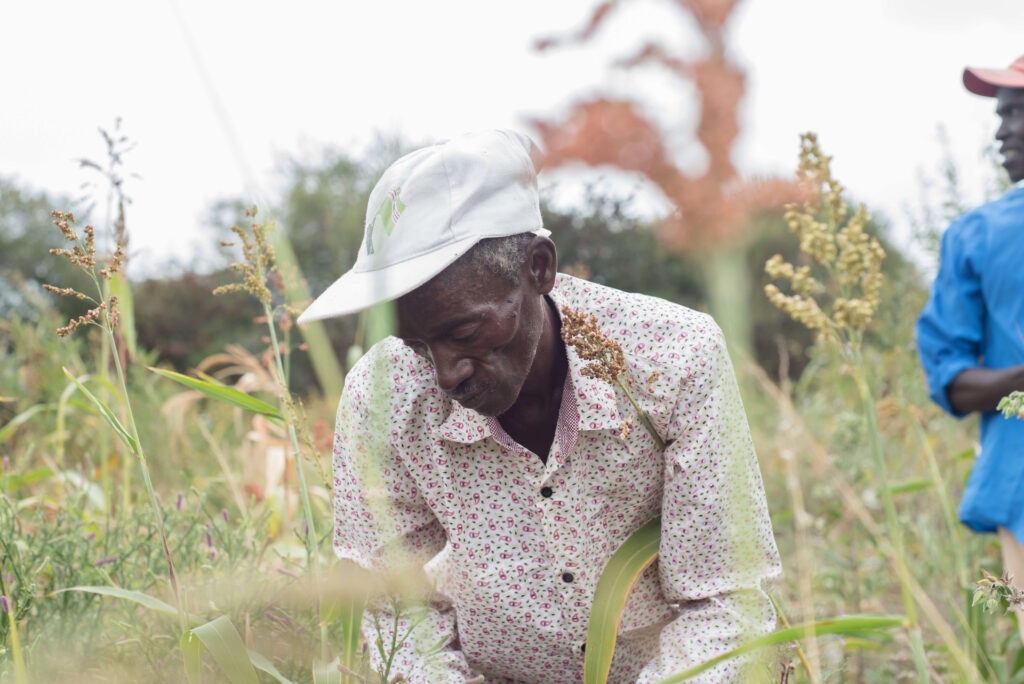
{"points": [[711, 209], [181, 320], [26, 236]]}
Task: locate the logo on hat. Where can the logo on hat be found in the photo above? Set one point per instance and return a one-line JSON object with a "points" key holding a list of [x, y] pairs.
{"points": [[387, 216]]}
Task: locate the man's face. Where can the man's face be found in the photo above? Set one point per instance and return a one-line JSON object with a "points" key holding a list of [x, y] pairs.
{"points": [[1010, 108], [480, 332]]}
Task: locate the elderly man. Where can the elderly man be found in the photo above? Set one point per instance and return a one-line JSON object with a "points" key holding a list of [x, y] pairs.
{"points": [[969, 334], [474, 441]]}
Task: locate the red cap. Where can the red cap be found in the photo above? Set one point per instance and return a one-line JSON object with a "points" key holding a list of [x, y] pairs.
{"points": [[987, 81]]}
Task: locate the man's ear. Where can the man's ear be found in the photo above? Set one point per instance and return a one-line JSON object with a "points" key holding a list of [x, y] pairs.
{"points": [[541, 264]]}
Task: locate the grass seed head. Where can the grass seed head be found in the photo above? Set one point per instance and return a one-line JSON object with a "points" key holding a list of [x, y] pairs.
{"points": [[830, 237]]}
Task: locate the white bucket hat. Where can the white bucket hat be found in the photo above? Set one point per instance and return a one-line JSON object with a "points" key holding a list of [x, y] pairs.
{"points": [[429, 208]]}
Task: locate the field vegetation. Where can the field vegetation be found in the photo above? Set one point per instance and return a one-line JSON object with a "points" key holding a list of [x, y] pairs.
{"points": [[106, 579]]}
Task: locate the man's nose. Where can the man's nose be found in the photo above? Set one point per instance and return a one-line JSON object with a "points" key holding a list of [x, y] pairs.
{"points": [[452, 369], [1003, 132]]}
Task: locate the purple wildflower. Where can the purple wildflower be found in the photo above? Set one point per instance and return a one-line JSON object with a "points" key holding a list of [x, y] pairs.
{"points": [[91, 536], [209, 539], [4, 606], [178, 503], [103, 561], [224, 514]]}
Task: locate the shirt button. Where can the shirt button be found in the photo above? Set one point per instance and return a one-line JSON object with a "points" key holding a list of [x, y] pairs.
{"points": [[546, 491], [567, 577]]}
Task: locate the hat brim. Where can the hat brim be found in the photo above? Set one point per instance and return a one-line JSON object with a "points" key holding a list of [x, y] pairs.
{"points": [[987, 82], [357, 291]]}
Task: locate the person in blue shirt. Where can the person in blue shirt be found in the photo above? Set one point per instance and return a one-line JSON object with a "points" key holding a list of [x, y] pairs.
{"points": [[970, 335]]}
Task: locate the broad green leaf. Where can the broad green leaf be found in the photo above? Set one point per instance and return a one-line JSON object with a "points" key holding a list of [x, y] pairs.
{"points": [[222, 640], [617, 578], [228, 395], [910, 486], [192, 655], [120, 287], [326, 673], [261, 663], [8, 429], [108, 414], [855, 625]]}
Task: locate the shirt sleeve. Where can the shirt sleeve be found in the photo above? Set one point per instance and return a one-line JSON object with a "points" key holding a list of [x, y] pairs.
{"points": [[717, 547], [950, 329], [381, 520]]}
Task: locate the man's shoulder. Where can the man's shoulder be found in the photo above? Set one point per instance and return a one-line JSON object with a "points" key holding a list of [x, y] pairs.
{"points": [[392, 378], [644, 325], [1005, 211]]}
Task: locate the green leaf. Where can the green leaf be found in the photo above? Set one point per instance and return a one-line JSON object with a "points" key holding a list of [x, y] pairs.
{"points": [[617, 578], [8, 429], [13, 481], [856, 625], [145, 600], [351, 621], [228, 395], [120, 287], [965, 455], [261, 663], [192, 654], [108, 414], [326, 673], [910, 486], [222, 640]]}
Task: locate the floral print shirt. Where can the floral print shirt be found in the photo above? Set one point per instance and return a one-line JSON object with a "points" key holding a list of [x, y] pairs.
{"points": [[516, 545]]}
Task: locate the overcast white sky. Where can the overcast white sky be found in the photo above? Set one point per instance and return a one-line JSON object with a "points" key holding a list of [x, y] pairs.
{"points": [[873, 77]]}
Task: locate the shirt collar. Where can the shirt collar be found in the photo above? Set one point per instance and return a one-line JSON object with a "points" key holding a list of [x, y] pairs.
{"points": [[596, 402]]}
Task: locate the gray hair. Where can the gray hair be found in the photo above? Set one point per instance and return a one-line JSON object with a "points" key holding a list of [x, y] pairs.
{"points": [[501, 256]]}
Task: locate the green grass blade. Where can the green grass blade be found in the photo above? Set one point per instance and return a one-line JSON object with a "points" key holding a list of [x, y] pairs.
{"points": [[261, 663], [856, 625], [617, 578], [192, 655], [145, 600], [107, 414], [911, 486], [222, 640], [228, 395], [14, 481], [120, 287], [326, 673], [10, 426], [351, 621]]}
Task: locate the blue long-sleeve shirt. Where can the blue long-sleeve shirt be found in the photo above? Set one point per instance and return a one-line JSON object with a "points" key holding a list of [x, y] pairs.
{"points": [[975, 317]]}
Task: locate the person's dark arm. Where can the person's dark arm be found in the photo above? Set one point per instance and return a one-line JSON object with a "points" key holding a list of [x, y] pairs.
{"points": [[980, 389]]}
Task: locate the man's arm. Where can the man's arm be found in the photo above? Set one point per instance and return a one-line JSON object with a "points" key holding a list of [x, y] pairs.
{"points": [[950, 330], [717, 547], [980, 389], [382, 522]]}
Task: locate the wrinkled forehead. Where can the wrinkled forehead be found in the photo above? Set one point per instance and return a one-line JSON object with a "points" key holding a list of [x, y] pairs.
{"points": [[456, 295]]}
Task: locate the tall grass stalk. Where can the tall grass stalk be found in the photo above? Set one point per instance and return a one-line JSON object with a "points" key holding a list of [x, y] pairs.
{"points": [[104, 316]]}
